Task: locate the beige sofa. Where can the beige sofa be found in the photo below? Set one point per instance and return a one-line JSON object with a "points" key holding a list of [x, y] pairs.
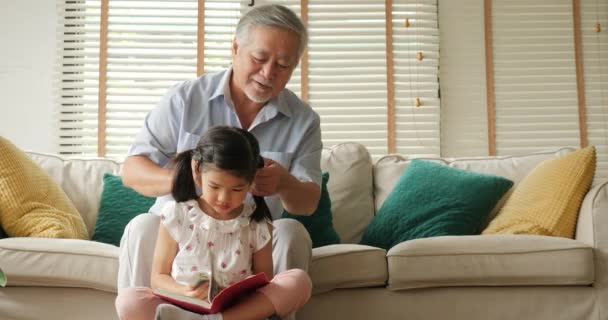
{"points": [[453, 277]]}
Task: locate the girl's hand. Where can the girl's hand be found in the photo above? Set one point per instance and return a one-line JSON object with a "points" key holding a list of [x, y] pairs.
{"points": [[199, 292]]}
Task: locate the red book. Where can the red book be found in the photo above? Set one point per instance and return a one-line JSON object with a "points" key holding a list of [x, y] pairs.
{"points": [[223, 300]]}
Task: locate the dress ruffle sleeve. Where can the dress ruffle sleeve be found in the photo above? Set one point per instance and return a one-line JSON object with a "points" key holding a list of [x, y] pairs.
{"points": [[172, 217], [261, 234]]}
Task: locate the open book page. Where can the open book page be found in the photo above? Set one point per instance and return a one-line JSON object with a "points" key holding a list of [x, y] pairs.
{"points": [[178, 299], [223, 300]]}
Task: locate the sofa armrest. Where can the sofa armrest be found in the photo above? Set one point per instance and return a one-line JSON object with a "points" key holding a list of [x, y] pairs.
{"points": [[592, 218], [592, 229]]}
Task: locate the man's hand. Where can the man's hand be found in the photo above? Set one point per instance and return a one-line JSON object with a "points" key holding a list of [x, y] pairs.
{"points": [[297, 197], [268, 180]]}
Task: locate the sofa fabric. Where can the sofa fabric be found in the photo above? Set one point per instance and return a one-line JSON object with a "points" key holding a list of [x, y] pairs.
{"points": [[350, 189], [38, 262], [347, 266], [489, 261], [451, 277]]}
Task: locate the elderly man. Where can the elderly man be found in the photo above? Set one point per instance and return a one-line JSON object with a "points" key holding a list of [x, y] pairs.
{"points": [[251, 95]]}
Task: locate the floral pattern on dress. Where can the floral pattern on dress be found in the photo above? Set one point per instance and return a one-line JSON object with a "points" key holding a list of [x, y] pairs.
{"points": [[230, 244]]}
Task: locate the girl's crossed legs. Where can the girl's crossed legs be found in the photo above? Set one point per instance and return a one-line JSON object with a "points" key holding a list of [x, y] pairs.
{"points": [[287, 292]]}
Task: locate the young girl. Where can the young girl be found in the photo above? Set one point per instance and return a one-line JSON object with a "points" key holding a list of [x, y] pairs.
{"points": [[224, 230]]}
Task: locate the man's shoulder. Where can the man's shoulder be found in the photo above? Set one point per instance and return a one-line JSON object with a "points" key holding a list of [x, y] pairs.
{"points": [[298, 107], [206, 83]]}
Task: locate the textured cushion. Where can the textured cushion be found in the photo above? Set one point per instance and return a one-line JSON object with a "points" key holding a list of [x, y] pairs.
{"points": [[389, 168], [319, 224], [547, 201], [31, 203], [117, 207], [432, 200]]}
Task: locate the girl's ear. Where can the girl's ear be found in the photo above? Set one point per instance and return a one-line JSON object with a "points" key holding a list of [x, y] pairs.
{"points": [[196, 174]]}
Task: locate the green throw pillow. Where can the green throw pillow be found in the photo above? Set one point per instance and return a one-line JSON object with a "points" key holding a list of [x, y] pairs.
{"points": [[431, 200], [319, 224], [117, 207]]}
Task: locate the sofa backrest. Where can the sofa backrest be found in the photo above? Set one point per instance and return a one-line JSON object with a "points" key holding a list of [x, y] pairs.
{"points": [[388, 169], [80, 179], [350, 189], [357, 186], [350, 185]]}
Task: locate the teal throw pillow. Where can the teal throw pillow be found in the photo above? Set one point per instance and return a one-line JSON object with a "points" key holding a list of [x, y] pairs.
{"points": [[431, 200], [319, 224], [118, 205]]}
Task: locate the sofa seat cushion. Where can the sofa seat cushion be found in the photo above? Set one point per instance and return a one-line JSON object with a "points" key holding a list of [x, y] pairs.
{"points": [[498, 260], [59, 263], [343, 266]]}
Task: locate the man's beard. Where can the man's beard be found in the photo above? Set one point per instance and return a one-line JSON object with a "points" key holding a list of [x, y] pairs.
{"points": [[257, 98]]}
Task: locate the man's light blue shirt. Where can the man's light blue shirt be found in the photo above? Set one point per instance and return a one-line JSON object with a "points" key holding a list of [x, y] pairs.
{"points": [[288, 130]]}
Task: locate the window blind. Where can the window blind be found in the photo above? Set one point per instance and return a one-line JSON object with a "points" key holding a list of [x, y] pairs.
{"points": [[416, 62], [595, 61], [151, 45], [77, 76], [347, 71], [462, 72], [221, 17], [535, 76]]}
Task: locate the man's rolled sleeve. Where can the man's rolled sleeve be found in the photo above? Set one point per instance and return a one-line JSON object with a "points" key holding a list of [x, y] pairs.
{"points": [[158, 138], [306, 165]]}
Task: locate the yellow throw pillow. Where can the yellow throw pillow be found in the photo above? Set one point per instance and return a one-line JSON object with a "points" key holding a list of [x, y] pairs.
{"points": [[547, 200], [31, 203]]}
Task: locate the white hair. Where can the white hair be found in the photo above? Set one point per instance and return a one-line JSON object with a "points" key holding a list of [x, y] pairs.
{"points": [[273, 16]]}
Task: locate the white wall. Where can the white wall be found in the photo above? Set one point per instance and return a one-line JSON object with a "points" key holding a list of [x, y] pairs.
{"points": [[27, 53]]}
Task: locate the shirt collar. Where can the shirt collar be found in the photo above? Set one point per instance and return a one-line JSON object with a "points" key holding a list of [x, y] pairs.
{"points": [[223, 89]]}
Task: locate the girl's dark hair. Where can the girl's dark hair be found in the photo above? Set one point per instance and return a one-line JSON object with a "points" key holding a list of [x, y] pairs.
{"points": [[225, 148]]}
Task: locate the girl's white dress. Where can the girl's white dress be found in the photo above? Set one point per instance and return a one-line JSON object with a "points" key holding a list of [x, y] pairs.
{"points": [[229, 244]]}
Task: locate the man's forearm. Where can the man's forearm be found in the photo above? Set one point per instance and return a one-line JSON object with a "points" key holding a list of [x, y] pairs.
{"points": [[300, 198], [146, 177]]}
